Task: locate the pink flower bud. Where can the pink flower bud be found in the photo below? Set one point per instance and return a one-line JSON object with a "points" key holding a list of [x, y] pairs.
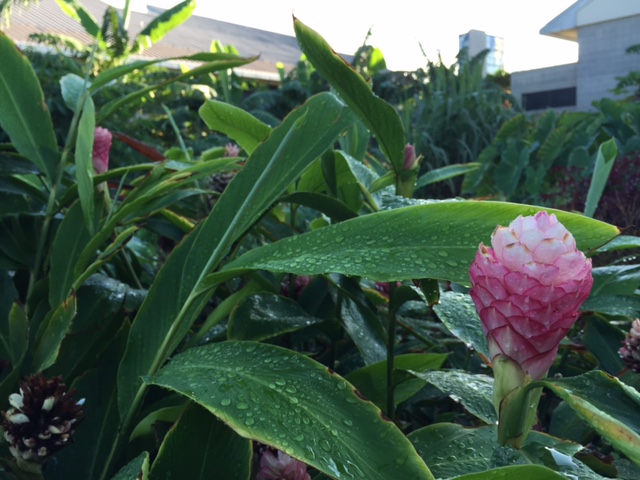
{"points": [[281, 467], [101, 146], [528, 289], [231, 150], [409, 157]]}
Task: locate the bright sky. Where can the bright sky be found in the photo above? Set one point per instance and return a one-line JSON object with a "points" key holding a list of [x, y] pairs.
{"points": [[399, 27]]}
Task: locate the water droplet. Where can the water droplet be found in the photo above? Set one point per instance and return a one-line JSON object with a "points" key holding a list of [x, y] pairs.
{"points": [[249, 421], [290, 389], [347, 422], [293, 400], [242, 406], [225, 402], [325, 445], [442, 253], [281, 382]]}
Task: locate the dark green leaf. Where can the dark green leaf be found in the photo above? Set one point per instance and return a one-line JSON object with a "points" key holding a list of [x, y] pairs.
{"points": [[201, 447], [604, 340], [12, 164], [378, 116], [459, 315], [334, 209], [445, 173], [286, 400], [605, 158], [625, 305], [173, 302], [265, 315], [75, 10], [615, 280], [84, 161], [138, 468], [435, 240], [371, 381], [23, 112], [51, 333]]}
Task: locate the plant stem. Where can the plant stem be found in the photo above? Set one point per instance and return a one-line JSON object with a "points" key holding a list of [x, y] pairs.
{"points": [[391, 337]]}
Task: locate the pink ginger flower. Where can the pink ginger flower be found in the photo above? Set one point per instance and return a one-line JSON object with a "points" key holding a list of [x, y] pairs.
{"points": [[281, 467], [528, 289], [101, 146], [231, 150]]}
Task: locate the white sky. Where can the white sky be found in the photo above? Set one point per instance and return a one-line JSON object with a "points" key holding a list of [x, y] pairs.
{"points": [[399, 26]]}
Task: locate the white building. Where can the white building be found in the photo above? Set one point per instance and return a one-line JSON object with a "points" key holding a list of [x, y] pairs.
{"points": [[604, 29], [476, 41]]}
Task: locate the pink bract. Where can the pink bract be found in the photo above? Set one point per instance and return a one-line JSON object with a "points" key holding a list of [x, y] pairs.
{"points": [[528, 289], [281, 466], [101, 147]]}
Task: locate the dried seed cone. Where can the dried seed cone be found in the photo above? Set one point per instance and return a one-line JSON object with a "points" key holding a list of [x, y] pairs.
{"points": [[528, 289], [630, 352], [42, 418]]}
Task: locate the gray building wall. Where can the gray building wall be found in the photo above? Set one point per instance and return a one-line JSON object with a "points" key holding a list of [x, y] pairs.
{"points": [[602, 58], [544, 79]]}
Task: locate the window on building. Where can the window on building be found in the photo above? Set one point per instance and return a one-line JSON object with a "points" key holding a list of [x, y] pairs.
{"points": [[562, 97]]}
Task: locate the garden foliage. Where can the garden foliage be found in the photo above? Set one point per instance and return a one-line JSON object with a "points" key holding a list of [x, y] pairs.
{"points": [[293, 297]]}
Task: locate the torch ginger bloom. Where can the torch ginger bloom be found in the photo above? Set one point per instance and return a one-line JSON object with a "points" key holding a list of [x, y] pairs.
{"points": [[101, 146], [528, 289]]}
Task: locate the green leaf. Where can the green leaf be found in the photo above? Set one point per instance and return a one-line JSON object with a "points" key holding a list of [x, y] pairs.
{"points": [[622, 242], [435, 240], [615, 280], [445, 173], [51, 333], [109, 108], [136, 469], [371, 381], [163, 24], [284, 399], [173, 302], [606, 404], [24, 115], [75, 10], [605, 158], [377, 115], [12, 164], [72, 87], [69, 242], [624, 305], [334, 209], [473, 453], [474, 392], [18, 336], [239, 125], [201, 447], [604, 340], [458, 313], [84, 161], [265, 315], [114, 73]]}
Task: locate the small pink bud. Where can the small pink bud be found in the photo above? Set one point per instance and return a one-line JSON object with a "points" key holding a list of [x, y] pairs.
{"points": [[528, 289], [101, 146], [409, 157], [231, 150], [281, 467]]}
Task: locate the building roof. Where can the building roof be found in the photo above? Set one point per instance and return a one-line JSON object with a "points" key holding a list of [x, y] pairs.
{"points": [[193, 36], [588, 12]]}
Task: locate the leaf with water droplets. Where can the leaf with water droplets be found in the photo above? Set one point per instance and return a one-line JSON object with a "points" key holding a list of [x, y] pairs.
{"points": [[289, 401]]}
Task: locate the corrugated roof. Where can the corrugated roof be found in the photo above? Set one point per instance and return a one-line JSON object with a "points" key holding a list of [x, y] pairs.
{"points": [[193, 36]]}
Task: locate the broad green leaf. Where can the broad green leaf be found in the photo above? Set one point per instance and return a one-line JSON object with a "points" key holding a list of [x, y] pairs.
{"points": [[136, 469], [51, 333], [8, 296], [239, 125], [173, 302], [24, 115], [70, 240], [75, 10], [12, 164], [625, 305], [615, 280], [114, 105], [377, 115], [445, 173], [452, 450], [474, 392], [606, 404], [164, 23], [114, 73], [84, 161], [264, 315], [605, 158], [603, 341], [458, 313], [435, 240], [371, 381], [201, 447], [18, 338], [93, 440], [365, 329], [332, 208], [285, 399], [620, 243], [72, 87]]}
